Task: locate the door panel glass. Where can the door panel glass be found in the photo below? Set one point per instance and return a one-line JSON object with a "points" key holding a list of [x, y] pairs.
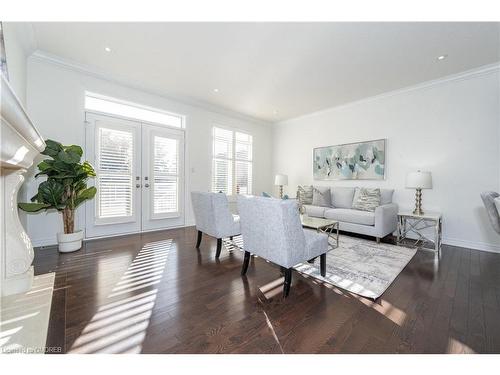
{"points": [[165, 175], [115, 149]]}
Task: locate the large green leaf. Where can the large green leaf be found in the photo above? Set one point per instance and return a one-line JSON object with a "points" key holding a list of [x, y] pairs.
{"points": [[59, 166], [52, 148], [44, 165], [68, 157], [85, 195], [51, 192], [88, 169], [33, 207], [75, 149]]}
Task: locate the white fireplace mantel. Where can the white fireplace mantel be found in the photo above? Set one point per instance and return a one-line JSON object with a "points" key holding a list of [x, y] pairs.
{"points": [[20, 144]]}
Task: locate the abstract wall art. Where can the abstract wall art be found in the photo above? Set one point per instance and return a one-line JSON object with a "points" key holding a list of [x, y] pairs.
{"points": [[352, 161]]}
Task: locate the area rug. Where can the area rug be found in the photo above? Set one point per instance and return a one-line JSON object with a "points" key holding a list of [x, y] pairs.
{"points": [[361, 266]]}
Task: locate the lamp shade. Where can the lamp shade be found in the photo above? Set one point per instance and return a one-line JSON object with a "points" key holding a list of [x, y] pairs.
{"points": [[419, 180], [281, 179]]}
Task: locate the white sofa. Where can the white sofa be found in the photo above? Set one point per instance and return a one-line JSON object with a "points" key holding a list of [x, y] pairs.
{"points": [[378, 224]]}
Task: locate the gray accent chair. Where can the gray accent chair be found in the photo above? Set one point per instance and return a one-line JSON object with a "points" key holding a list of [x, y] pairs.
{"points": [[378, 224], [213, 217], [491, 202], [271, 229]]}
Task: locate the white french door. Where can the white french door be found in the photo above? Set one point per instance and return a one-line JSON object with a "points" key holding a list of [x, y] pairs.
{"points": [[140, 176], [163, 182]]}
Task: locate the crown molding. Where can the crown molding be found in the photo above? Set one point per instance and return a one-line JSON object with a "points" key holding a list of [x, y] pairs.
{"points": [[472, 73], [123, 81]]}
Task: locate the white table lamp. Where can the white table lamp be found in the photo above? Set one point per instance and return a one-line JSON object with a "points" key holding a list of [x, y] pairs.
{"points": [[418, 180], [281, 180]]}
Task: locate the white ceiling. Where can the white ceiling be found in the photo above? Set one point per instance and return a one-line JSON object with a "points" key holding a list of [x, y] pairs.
{"points": [[273, 71]]}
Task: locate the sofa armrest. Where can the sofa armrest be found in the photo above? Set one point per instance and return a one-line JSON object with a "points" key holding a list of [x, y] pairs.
{"points": [[386, 219]]}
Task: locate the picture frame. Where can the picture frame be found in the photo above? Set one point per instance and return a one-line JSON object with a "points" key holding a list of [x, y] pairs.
{"points": [[365, 160]]}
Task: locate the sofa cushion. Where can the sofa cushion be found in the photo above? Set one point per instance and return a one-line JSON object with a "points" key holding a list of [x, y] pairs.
{"points": [[342, 197], [368, 199], [315, 211], [348, 215], [497, 203], [305, 194], [322, 196], [386, 196]]}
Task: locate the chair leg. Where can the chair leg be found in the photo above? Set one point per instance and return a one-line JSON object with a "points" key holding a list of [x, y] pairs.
{"points": [[288, 282], [198, 240], [231, 238], [246, 260], [322, 264], [378, 239], [219, 247]]}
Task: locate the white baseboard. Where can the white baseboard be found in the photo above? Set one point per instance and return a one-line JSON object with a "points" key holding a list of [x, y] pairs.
{"points": [[483, 246], [46, 241], [52, 241]]}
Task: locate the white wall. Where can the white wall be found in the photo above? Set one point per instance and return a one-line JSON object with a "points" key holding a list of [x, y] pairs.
{"points": [[56, 104], [449, 127], [17, 52]]}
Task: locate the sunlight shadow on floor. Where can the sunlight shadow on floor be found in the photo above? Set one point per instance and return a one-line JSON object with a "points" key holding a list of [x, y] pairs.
{"points": [[120, 325]]}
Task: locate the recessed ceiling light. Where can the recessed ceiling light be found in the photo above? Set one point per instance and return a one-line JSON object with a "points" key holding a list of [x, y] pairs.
{"points": [[107, 49], [216, 90], [442, 57]]}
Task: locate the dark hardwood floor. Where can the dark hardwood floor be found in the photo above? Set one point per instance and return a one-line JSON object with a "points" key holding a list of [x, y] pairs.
{"points": [[155, 293]]}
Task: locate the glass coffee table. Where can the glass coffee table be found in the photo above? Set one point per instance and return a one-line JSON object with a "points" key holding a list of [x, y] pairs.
{"points": [[327, 226]]}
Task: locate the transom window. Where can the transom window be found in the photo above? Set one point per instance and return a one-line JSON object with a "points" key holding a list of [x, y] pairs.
{"points": [[232, 162], [99, 103]]}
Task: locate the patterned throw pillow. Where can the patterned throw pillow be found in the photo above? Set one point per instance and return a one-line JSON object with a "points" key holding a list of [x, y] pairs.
{"points": [[367, 200], [322, 196], [305, 194]]}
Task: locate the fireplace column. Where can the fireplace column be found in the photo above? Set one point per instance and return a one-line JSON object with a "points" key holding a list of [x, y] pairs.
{"points": [[20, 144]]}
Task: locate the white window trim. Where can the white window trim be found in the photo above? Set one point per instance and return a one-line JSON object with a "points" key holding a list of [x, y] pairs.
{"points": [[233, 158]]}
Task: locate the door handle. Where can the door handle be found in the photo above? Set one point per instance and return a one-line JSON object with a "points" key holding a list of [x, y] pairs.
{"points": [[146, 185], [137, 186]]}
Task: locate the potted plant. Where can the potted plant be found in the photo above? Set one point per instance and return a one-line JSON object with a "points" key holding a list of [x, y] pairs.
{"points": [[64, 190]]}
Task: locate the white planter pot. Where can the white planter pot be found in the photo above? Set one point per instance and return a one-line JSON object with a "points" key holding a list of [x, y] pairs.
{"points": [[70, 242]]}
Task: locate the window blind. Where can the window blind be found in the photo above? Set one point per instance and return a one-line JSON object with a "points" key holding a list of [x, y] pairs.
{"points": [[165, 175], [232, 162], [114, 175], [222, 167]]}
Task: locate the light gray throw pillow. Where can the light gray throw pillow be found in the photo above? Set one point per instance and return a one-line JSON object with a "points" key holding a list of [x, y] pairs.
{"points": [[305, 194], [367, 199], [497, 203], [342, 197], [386, 196], [322, 196]]}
